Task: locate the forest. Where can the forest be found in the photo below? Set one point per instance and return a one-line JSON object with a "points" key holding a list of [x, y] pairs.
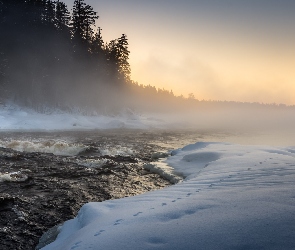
{"points": [[49, 56], [53, 57]]}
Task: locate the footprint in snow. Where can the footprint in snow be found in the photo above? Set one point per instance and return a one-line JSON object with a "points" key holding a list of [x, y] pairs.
{"points": [[76, 245], [99, 232], [164, 204], [137, 214], [117, 222], [156, 241], [73, 247], [188, 195]]}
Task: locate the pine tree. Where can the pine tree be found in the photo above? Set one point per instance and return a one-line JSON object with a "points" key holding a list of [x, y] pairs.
{"points": [[48, 12], [62, 16], [37, 60], [83, 19], [123, 57], [35, 12], [118, 55], [97, 45], [112, 54]]}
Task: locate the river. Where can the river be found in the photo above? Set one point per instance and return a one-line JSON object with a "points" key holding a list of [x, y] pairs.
{"points": [[45, 177]]}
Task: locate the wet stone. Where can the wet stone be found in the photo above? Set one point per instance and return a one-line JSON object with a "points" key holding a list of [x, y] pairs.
{"points": [[57, 186]]}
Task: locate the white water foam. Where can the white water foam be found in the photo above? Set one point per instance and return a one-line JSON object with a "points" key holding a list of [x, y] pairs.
{"points": [[92, 163], [118, 150], [58, 147], [13, 177]]}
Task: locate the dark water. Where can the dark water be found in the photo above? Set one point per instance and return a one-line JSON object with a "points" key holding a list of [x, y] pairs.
{"points": [[138, 140]]}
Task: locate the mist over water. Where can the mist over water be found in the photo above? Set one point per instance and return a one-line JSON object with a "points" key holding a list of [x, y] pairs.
{"points": [[46, 65]]}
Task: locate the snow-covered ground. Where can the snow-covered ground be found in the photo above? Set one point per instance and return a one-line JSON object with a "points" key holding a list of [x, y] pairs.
{"points": [[13, 117], [232, 197]]}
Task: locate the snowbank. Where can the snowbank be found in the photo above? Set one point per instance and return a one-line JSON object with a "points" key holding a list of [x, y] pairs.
{"points": [[232, 197], [13, 117]]}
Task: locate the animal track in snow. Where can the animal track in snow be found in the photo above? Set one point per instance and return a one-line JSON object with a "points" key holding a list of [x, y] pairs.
{"points": [[99, 232], [117, 222], [76, 245], [156, 241]]}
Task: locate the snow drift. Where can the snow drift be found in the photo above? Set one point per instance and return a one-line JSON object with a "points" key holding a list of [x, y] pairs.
{"points": [[232, 197]]}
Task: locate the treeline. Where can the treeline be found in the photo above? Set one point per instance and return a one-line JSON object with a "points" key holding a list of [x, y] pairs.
{"points": [[51, 57]]}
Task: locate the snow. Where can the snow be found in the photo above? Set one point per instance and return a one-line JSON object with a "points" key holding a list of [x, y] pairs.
{"points": [[164, 170], [13, 117], [232, 197]]}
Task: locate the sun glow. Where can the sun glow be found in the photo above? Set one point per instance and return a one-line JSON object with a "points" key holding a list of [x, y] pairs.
{"points": [[219, 50]]}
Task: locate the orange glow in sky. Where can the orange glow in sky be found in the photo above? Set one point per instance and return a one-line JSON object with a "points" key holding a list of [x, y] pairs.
{"points": [[218, 50]]}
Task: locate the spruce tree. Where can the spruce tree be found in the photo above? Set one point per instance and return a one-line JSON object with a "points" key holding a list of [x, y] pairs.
{"points": [[112, 54], [83, 19], [118, 56], [97, 44], [48, 12], [123, 57], [62, 16]]}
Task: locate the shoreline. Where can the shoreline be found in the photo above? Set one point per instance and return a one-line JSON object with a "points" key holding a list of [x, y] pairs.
{"points": [[56, 187]]}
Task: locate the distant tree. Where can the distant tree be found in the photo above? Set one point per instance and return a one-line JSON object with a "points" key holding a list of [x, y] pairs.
{"points": [[150, 90], [191, 96]]}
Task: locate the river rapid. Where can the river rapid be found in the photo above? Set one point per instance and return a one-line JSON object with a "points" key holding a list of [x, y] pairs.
{"points": [[45, 177]]}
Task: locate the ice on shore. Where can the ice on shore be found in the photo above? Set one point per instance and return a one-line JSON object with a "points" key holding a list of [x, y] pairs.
{"points": [[15, 118], [232, 197]]}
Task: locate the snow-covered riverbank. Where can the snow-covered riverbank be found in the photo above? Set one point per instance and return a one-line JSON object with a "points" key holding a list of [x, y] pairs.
{"points": [[232, 197], [15, 118]]}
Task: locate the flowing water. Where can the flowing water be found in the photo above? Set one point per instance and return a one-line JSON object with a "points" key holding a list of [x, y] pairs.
{"points": [[130, 142], [45, 177]]}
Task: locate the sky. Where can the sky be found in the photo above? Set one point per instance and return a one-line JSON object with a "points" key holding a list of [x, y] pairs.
{"points": [[230, 50]]}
